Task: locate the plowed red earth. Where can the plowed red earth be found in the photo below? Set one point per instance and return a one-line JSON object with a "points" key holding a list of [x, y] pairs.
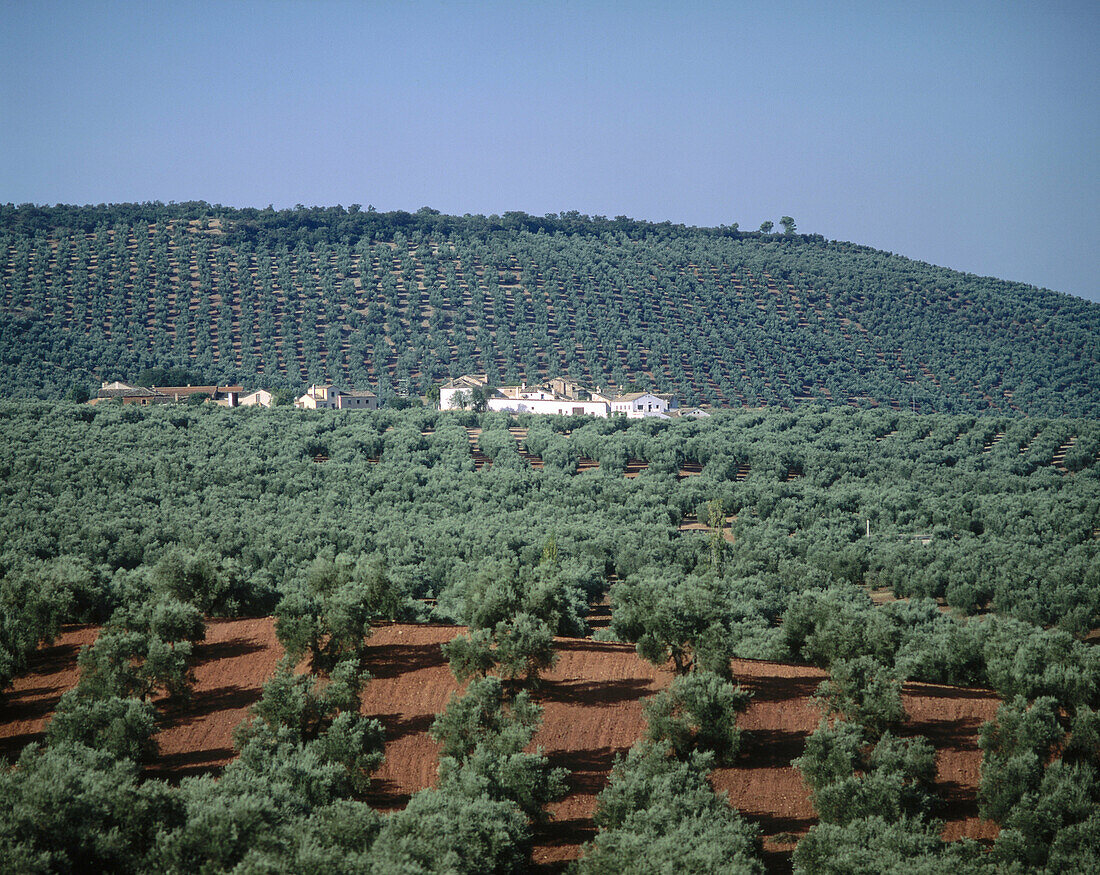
{"points": [[592, 712]]}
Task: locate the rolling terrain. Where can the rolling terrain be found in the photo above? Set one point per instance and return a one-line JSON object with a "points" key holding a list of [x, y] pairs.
{"points": [[400, 302]]}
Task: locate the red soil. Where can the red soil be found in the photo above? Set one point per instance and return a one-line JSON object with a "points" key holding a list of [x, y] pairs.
{"points": [[231, 665], [230, 669], [592, 705], [25, 709]]}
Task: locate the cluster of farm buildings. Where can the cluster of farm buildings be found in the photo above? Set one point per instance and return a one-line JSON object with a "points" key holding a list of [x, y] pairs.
{"points": [[560, 395], [315, 398]]}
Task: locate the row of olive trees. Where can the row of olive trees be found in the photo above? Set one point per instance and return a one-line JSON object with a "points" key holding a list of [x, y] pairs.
{"points": [[240, 489], [871, 789], [292, 799]]}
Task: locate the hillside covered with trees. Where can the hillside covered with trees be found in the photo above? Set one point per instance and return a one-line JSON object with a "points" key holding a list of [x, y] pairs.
{"points": [[404, 300]]}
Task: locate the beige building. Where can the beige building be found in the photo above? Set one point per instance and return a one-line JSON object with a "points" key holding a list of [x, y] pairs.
{"points": [[318, 398], [355, 399], [259, 398], [331, 398]]}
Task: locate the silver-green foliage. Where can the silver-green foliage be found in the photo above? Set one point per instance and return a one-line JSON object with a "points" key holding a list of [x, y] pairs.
{"points": [[660, 814]]}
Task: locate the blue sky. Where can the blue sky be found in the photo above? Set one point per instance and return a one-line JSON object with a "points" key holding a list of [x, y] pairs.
{"points": [[965, 134]]}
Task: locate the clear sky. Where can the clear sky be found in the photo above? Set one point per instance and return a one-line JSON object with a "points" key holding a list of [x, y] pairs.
{"points": [[963, 133]]}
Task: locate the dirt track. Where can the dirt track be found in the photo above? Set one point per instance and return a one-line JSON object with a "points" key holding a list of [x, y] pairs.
{"points": [[592, 712]]}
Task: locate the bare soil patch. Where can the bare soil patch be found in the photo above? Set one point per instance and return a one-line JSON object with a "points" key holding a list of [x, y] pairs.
{"points": [[592, 712], [25, 709], [231, 666], [695, 526]]}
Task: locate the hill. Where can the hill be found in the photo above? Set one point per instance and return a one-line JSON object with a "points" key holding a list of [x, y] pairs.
{"points": [[592, 705], [402, 301]]}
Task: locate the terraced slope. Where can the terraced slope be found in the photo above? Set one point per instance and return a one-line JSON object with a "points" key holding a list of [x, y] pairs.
{"points": [[592, 704], [401, 301]]}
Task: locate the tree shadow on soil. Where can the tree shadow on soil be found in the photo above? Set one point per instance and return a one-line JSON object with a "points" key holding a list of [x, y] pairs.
{"points": [[387, 795], [174, 767], [589, 769], [206, 702], [235, 647], [773, 689], [955, 801], [772, 824], [399, 725], [953, 735], [770, 748], [53, 659], [595, 693], [394, 660], [777, 862], [570, 832], [33, 703], [13, 745], [589, 774]]}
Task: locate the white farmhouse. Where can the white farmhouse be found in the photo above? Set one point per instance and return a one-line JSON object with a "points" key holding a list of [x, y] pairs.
{"points": [[563, 396], [458, 394], [543, 399], [636, 405], [693, 413]]}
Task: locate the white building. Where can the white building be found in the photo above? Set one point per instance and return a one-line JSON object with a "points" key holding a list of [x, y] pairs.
{"points": [[547, 403], [693, 413], [458, 394], [636, 405], [562, 396]]}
